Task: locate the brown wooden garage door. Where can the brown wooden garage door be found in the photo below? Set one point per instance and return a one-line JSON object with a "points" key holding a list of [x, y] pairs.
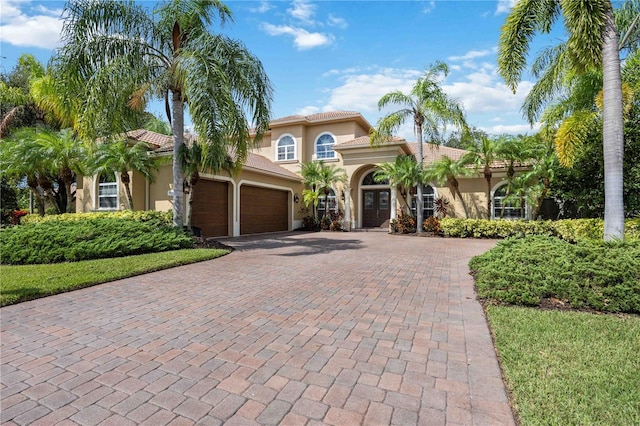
{"points": [[211, 208], [263, 210]]}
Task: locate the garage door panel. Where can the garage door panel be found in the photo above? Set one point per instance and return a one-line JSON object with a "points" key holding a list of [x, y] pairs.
{"points": [[210, 208], [263, 210]]}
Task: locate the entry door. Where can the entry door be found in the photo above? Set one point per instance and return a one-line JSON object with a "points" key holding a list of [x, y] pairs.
{"points": [[376, 208]]}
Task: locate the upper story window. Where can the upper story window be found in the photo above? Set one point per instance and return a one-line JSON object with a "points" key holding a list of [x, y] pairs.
{"points": [[324, 146], [507, 209], [108, 191], [286, 148]]}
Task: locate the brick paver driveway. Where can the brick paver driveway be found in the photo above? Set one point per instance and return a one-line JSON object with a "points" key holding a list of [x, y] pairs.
{"points": [[326, 328]]}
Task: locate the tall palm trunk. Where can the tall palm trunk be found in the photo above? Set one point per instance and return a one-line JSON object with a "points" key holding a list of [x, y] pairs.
{"points": [[613, 132], [32, 183], [420, 196], [178, 141], [453, 182], [193, 180], [488, 175], [67, 177], [126, 181]]}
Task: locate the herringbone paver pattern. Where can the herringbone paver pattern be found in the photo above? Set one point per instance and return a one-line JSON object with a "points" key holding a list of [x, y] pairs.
{"points": [[292, 329]]}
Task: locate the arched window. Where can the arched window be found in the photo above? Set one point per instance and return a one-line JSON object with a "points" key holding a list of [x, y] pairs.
{"points": [[428, 199], [108, 191], [370, 180], [286, 148], [331, 201], [324, 146], [511, 209]]}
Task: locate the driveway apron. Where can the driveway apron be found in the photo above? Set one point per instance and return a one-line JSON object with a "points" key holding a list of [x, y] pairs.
{"points": [[298, 328]]}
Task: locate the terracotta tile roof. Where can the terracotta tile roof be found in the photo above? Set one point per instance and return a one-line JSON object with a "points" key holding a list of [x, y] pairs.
{"points": [[260, 163], [153, 138], [365, 141], [432, 152], [319, 117]]}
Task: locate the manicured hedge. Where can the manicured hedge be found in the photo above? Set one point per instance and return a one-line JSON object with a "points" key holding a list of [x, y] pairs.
{"points": [[571, 230], [73, 238], [586, 275], [160, 218]]}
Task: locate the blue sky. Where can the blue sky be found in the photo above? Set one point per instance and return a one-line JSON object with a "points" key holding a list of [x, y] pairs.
{"points": [[340, 55]]}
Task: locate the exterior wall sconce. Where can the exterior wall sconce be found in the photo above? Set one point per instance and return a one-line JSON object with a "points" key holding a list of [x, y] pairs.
{"points": [[296, 198], [342, 195]]}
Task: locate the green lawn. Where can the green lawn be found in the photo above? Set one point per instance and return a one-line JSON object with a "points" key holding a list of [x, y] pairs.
{"points": [[569, 368], [25, 282]]}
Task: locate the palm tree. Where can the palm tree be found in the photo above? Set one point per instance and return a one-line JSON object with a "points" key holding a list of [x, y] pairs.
{"points": [[483, 155], [120, 157], [544, 165], [592, 43], [116, 55], [67, 156], [403, 172], [329, 175], [22, 158], [429, 107], [446, 170], [46, 157], [311, 179], [512, 150]]}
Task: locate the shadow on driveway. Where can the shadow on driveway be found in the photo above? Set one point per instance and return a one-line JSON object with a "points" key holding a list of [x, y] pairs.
{"points": [[295, 244]]}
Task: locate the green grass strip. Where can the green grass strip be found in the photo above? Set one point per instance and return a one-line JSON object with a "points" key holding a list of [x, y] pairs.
{"points": [[25, 282], [569, 368]]}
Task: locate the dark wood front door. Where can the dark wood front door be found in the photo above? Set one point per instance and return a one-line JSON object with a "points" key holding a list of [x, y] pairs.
{"points": [[376, 207]]}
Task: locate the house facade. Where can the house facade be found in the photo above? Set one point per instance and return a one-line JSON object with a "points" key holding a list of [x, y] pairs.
{"points": [[266, 195]]}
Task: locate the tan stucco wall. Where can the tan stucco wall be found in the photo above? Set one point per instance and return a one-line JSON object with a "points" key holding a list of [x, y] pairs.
{"points": [[158, 197]]}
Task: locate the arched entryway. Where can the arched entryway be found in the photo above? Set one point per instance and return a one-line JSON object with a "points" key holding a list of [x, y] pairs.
{"points": [[376, 201]]}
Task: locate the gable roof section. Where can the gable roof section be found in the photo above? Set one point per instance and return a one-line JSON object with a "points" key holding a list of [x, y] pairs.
{"points": [[163, 144], [365, 142], [262, 164], [322, 117]]}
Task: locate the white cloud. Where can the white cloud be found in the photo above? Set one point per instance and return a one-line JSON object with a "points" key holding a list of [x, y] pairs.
{"points": [[20, 29], [302, 11], [488, 102], [481, 93], [472, 54], [505, 6], [361, 92], [308, 110], [428, 8], [264, 7], [335, 21], [302, 38]]}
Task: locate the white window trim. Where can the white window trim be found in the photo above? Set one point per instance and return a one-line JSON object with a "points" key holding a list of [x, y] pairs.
{"points": [[97, 200], [496, 215], [334, 196], [295, 148], [435, 197], [315, 146]]}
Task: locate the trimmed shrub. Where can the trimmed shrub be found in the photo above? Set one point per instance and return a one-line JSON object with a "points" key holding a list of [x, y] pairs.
{"points": [[432, 224], [572, 230], [53, 241], [149, 216], [587, 275], [403, 224]]}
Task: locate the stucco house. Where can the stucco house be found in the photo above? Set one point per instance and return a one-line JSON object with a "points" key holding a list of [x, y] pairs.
{"points": [[266, 195]]}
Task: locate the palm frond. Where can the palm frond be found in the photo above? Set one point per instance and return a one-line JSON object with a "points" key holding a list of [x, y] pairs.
{"points": [[525, 19], [571, 135]]}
